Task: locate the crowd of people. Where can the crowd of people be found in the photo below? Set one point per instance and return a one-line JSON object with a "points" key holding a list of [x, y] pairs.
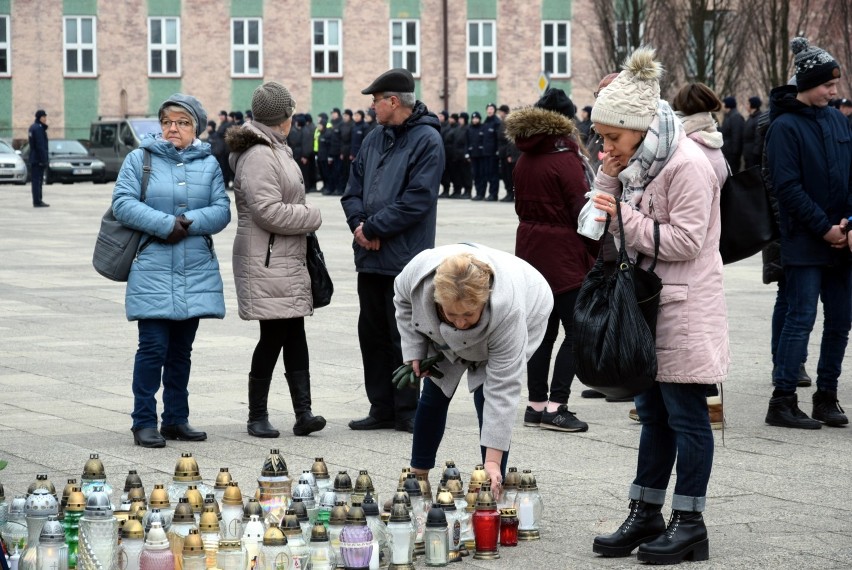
{"points": [[483, 313]]}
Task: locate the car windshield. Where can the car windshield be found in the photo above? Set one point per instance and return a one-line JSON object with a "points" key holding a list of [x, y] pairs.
{"points": [[64, 146], [6, 149], [145, 126]]}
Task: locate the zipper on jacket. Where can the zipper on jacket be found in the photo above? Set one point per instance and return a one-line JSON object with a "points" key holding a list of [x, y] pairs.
{"points": [[209, 241], [269, 249]]}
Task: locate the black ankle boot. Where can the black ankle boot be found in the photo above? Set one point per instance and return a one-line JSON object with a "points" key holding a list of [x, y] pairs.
{"points": [[784, 412], [300, 394], [643, 524], [685, 539], [258, 419], [827, 409]]}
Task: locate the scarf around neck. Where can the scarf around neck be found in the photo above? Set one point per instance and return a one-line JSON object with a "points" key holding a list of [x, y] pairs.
{"points": [[702, 128], [653, 153]]}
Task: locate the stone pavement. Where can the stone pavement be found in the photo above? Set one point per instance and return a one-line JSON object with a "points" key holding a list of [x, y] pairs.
{"points": [[778, 498]]}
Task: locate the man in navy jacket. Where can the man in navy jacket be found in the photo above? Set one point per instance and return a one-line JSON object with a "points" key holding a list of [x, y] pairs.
{"points": [[38, 156], [390, 205], [809, 152]]}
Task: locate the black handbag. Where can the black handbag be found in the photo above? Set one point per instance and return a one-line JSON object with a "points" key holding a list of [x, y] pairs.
{"points": [[117, 245], [321, 286], [748, 224], [614, 347]]}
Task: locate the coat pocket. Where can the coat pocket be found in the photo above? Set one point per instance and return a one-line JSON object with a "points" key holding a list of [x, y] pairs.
{"points": [[673, 318]]}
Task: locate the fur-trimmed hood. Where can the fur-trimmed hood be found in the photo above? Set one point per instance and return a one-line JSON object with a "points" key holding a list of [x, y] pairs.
{"points": [[240, 138], [530, 127]]}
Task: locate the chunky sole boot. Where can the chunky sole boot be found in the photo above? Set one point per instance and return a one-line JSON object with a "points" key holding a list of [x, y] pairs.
{"points": [[300, 394], [148, 437], [258, 419], [784, 412], [827, 409], [685, 539], [644, 524]]}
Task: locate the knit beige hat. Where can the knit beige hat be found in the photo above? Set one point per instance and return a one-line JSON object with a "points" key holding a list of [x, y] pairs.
{"points": [[272, 104], [630, 101]]}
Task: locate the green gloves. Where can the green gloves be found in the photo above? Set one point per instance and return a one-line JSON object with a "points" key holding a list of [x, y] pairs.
{"points": [[405, 376]]}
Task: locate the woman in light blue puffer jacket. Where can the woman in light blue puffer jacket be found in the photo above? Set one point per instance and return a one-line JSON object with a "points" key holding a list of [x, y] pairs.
{"points": [[175, 279]]}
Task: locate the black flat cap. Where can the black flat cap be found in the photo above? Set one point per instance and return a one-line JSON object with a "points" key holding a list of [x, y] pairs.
{"points": [[397, 80]]}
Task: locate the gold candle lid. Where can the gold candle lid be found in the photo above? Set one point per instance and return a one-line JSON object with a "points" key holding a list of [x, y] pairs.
{"points": [[193, 544], [132, 528], [94, 468], [209, 521], [76, 501], [274, 537], [186, 469], [223, 478], [232, 495], [274, 465], [319, 469], [159, 498], [196, 501]]}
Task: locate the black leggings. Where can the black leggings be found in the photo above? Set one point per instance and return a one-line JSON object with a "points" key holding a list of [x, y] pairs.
{"points": [[275, 335]]}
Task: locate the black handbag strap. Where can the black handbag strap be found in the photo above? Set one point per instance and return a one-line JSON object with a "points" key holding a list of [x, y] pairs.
{"points": [[623, 249], [146, 172]]}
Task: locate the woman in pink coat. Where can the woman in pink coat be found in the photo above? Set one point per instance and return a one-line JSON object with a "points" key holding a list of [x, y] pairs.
{"points": [[653, 172]]}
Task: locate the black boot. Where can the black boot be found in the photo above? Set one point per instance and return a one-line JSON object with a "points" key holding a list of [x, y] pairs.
{"points": [[827, 409], [300, 394], [643, 524], [784, 412], [685, 539], [258, 420]]}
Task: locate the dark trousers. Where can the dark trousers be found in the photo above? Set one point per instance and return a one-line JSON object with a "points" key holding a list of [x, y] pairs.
{"points": [[675, 427], [381, 352], [431, 421], [164, 353], [37, 174], [460, 175], [227, 173], [492, 175], [805, 286], [538, 366], [277, 335], [479, 169], [308, 174], [325, 175], [507, 171]]}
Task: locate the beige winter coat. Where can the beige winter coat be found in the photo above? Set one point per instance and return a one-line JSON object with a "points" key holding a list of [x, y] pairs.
{"points": [[269, 250]]}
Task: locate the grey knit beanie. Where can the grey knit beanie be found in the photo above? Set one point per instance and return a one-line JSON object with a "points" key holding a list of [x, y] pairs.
{"points": [[631, 100], [814, 66], [272, 104]]}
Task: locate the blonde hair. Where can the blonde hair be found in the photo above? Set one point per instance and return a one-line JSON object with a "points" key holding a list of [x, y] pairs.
{"points": [[462, 278]]}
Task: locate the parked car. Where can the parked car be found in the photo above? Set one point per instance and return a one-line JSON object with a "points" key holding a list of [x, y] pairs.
{"points": [[12, 167], [69, 161], [112, 139]]}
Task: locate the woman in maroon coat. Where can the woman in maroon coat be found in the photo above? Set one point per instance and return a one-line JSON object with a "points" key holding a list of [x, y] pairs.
{"points": [[550, 188]]}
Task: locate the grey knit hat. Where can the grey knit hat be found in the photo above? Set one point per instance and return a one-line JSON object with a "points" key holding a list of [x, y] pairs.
{"points": [[272, 104], [814, 66], [631, 100]]}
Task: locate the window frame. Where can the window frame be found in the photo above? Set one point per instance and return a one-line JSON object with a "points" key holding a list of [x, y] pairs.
{"points": [[326, 48], [481, 51], [79, 46], [247, 48], [555, 50], [164, 47], [623, 49], [405, 48], [6, 22]]}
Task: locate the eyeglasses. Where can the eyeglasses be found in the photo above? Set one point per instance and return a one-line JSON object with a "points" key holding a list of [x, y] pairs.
{"points": [[377, 99], [182, 124]]}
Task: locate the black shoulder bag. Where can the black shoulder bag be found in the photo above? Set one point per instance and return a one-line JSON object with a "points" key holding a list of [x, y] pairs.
{"points": [[321, 286], [615, 321], [117, 244]]}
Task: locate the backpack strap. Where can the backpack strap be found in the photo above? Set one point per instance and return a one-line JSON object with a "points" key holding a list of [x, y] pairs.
{"points": [[146, 172]]}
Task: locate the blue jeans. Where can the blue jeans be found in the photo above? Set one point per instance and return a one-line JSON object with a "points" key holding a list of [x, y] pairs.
{"points": [[779, 314], [164, 353], [675, 426], [805, 286], [430, 421]]}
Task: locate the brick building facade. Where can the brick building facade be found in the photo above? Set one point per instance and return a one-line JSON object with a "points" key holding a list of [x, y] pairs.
{"points": [[81, 59]]}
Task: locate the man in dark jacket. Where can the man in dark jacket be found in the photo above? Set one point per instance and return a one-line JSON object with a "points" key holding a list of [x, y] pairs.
{"points": [[335, 152], [463, 178], [325, 157], [307, 159], [345, 147], [491, 148], [732, 134], [508, 154], [476, 154], [810, 163], [221, 150], [390, 206], [294, 137], [752, 139], [446, 126], [359, 131], [39, 156]]}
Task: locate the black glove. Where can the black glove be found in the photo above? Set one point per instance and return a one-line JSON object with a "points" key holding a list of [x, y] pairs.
{"points": [[180, 230]]}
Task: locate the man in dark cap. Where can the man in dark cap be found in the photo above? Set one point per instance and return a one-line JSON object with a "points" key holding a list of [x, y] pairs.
{"points": [[508, 154], [491, 148], [752, 141], [585, 124], [38, 156], [733, 128], [390, 206], [476, 155]]}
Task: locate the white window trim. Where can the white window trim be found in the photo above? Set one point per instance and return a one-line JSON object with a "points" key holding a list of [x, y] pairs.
{"points": [[325, 47], [555, 50], [480, 50], [246, 47], [163, 47], [79, 46], [405, 49], [5, 20]]}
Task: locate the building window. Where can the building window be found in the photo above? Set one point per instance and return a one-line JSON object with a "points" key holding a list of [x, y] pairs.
{"points": [[326, 47], [246, 47], [80, 42], [481, 49], [164, 46], [556, 48], [625, 42], [5, 49], [405, 45]]}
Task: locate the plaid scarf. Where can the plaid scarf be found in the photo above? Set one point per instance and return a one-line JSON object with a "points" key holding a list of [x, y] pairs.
{"points": [[652, 155]]}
